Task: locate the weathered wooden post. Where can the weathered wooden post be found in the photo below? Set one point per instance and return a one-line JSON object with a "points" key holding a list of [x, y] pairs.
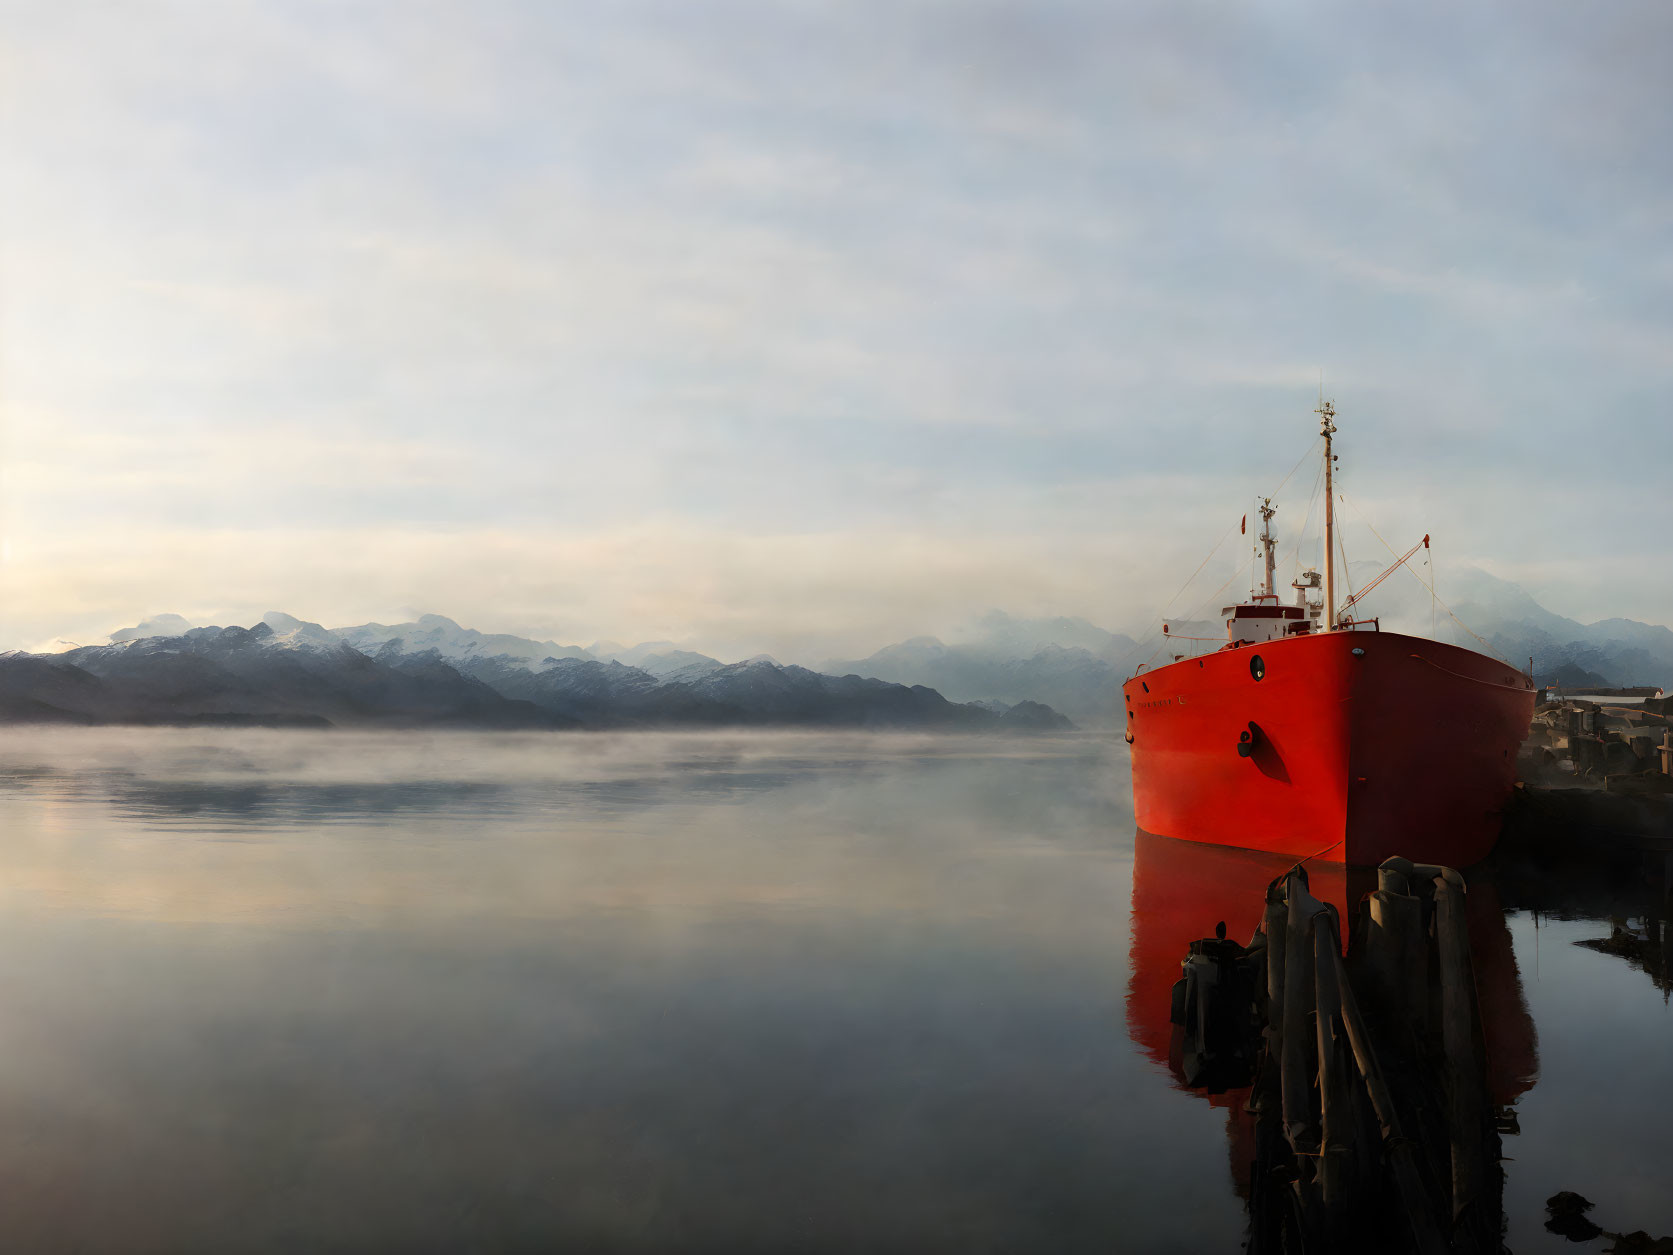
{"points": [[1394, 945], [1466, 1115], [1315, 1174], [1335, 1090], [1406, 945], [1310, 1113], [1277, 913], [1427, 1238], [1295, 1067]]}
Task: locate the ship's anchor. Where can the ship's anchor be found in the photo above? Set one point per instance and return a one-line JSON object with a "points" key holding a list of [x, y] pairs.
{"points": [[1246, 741]]}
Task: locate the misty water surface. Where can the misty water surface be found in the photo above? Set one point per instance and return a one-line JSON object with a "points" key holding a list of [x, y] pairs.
{"points": [[267, 991]]}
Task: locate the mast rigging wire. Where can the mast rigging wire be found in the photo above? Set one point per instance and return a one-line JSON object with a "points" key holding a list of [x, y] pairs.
{"points": [[1432, 593], [1166, 637], [1306, 522], [1160, 618], [1342, 549]]}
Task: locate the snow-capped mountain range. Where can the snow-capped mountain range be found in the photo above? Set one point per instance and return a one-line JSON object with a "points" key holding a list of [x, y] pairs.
{"points": [[1000, 672], [285, 670]]}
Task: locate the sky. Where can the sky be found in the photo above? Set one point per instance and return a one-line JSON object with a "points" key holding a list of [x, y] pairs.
{"points": [[803, 328]]}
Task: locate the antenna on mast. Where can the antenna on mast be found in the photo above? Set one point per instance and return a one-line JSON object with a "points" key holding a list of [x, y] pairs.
{"points": [[1268, 542], [1327, 429]]}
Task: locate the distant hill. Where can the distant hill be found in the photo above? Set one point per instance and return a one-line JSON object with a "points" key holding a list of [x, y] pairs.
{"points": [[1068, 664], [285, 671], [447, 639], [1000, 672], [260, 676], [1078, 668], [452, 643], [611, 694], [1611, 652]]}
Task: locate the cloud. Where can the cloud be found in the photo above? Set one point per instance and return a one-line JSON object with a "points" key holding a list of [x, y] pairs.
{"points": [[983, 280], [797, 596]]}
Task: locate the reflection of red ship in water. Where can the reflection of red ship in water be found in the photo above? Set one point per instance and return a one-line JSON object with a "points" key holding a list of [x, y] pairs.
{"points": [[1182, 889]]}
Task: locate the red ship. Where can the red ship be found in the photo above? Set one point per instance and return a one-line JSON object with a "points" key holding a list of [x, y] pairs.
{"points": [[1310, 733]]}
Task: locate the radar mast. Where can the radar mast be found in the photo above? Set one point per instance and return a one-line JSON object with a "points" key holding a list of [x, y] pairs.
{"points": [[1327, 429], [1268, 544]]}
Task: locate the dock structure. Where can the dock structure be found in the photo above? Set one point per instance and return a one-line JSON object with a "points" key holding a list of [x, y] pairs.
{"points": [[1374, 1125], [1591, 742]]}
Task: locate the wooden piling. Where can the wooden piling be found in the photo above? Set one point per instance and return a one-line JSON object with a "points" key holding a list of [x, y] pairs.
{"points": [[1295, 1066], [1316, 1172], [1276, 921], [1336, 1114], [1427, 1238], [1394, 946], [1466, 1113]]}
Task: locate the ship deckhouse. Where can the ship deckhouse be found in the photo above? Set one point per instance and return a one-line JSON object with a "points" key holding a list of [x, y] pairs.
{"points": [[1263, 618]]}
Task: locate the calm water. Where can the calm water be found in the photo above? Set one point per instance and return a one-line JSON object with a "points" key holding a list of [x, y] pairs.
{"points": [[756, 992]]}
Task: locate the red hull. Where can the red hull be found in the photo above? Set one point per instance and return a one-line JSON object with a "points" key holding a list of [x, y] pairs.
{"points": [[1369, 744]]}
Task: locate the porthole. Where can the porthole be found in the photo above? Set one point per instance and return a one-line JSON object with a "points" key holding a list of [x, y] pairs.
{"points": [[1257, 668]]}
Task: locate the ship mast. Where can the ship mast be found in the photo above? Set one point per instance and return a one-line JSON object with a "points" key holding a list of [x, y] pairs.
{"points": [[1327, 428], [1268, 541]]}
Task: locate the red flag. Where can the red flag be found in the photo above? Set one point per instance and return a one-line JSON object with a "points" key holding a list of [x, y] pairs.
{"points": [[1243, 527]]}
